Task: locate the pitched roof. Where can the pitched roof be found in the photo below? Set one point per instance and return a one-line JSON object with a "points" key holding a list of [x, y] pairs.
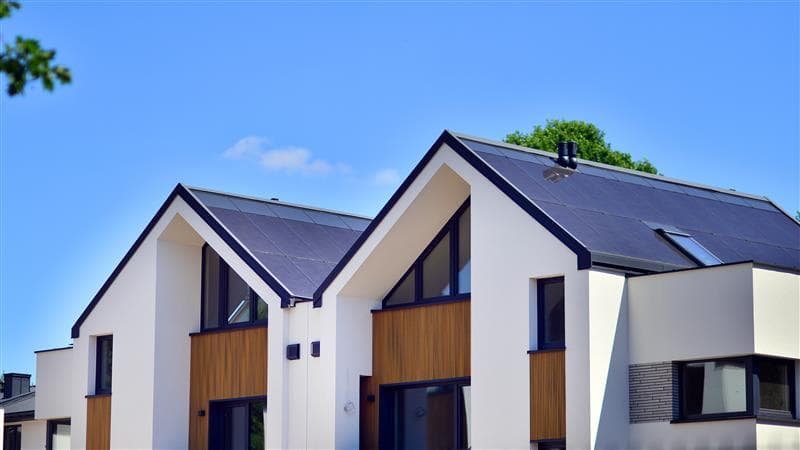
{"points": [[298, 245], [614, 212], [19, 407]]}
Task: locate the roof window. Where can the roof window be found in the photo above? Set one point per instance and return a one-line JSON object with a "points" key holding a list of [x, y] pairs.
{"points": [[690, 247]]}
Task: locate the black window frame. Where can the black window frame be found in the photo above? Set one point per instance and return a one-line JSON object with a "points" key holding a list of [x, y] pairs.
{"points": [[12, 440], [222, 297], [98, 389], [550, 444], [387, 397], [540, 316], [752, 389], [216, 439], [417, 266], [51, 426]]}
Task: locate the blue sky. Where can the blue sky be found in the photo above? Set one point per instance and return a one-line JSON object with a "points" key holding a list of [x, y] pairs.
{"points": [[332, 104]]}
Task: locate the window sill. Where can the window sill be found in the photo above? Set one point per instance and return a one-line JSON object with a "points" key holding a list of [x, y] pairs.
{"points": [[546, 350], [712, 419], [98, 395], [230, 328], [781, 419]]}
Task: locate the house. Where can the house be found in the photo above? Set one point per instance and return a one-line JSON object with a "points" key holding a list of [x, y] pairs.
{"points": [[502, 298]]}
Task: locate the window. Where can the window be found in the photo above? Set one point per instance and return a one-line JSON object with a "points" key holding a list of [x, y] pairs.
{"points": [[227, 299], [237, 424], [552, 444], [442, 272], [102, 378], [58, 434], [550, 312], [731, 387], [691, 248], [12, 437], [430, 415]]}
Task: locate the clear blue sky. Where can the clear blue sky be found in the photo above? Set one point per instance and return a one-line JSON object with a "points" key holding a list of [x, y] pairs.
{"points": [[332, 103]]}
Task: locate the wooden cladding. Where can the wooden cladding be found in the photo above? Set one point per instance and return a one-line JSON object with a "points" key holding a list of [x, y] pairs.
{"points": [[225, 365], [414, 344], [548, 409], [98, 422]]}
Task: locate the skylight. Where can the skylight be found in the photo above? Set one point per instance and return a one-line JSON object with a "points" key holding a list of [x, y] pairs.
{"points": [[691, 248]]}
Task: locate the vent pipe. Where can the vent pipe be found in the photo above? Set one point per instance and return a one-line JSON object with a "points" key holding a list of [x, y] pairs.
{"points": [[572, 153], [563, 159]]}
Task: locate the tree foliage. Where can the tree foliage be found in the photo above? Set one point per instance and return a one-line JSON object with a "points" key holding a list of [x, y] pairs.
{"points": [[27, 61], [591, 141]]}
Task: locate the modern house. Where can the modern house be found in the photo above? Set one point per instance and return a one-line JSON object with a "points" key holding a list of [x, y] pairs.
{"points": [[502, 298]]}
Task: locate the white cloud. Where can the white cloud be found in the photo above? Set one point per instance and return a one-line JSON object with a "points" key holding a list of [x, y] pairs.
{"points": [[386, 177], [286, 159]]}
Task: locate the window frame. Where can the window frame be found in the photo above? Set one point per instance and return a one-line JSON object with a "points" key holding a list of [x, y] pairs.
{"points": [[216, 423], [98, 390], [752, 392], [668, 235], [417, 266], [387, 392], [540, 337], [222, 297], [51, 425]]}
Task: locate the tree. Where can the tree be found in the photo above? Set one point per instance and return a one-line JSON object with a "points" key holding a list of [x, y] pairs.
{"points": [[591, 141], [27, 61]]}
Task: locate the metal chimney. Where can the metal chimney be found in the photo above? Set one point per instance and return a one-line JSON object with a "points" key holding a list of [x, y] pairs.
{"points": [[563, 159], [572, 154], [15, 384]]}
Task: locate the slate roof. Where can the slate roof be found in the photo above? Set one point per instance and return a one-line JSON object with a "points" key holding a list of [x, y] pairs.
{"points": [[298, 245], [614, 212], [19, 407]]}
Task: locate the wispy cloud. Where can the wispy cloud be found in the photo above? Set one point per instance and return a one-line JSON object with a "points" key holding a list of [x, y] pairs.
{"points": [[386, 177], [285, 159]]}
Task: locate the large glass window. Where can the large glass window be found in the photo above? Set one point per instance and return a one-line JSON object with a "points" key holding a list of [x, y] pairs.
{"points": [[237, 424], [102, 380], [227, 299], [58, 434], [442, 272], [714, 387], [426, 416], [550, 312], [774, 384]]}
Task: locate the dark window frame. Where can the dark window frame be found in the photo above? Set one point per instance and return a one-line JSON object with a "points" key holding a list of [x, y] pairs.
{"points": [[540, 316], [215, 438], [51, 426], [417, 266], [551, 444], [752, 389], [222, 298], [668, 235], [16, 443], [386, 425], [98, 389]]}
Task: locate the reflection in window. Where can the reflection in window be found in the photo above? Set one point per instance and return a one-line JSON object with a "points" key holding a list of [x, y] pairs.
{"points": [[404, 292], [464, 253], [104, 356], [227, 299], [550, 298], [693, 249], [774, 384], [714, 387], [436, 270], [239, 299], [211, 271], [58, 434]]}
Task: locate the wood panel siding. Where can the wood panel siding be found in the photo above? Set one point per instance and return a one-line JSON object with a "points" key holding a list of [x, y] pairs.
{"points": [[548, 409], [98, 422], [414, 344], [224, 365]]}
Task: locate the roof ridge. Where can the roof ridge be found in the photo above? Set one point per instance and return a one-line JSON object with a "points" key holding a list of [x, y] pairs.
{"points": [[539, 152], [278, 202]]}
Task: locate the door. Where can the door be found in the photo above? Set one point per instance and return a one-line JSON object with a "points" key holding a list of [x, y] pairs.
{"points": [[237, 424], [12, 437]]}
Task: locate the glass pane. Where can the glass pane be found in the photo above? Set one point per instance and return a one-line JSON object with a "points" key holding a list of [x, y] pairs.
{"points": [[104, 352], [61, 437], [464, 253], [257, 425], [238, 299], [436, 270], [236, 429], [695, 249], [210, 288], [466, 430], [714, 387], [261, 308], [404, 293], [553, 310], [773, 384], [424, 418]]}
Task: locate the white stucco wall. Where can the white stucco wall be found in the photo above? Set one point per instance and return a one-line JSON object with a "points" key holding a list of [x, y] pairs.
{"points": [[726, 434], [34, 435], [777, 437], [53, 384], [776, 313]]}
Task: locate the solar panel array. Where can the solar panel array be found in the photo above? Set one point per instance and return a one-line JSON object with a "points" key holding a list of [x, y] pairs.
{"points": [[613, 212], [297, 245]]}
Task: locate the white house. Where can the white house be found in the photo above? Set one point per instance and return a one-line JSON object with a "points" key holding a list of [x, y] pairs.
{"points": [[502, 298]]}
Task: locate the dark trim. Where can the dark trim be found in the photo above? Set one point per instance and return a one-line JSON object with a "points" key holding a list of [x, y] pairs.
{"points": [[633, 265], [51, 425], [20, 416], [230, 328], [97, 388], [777, 420], [686, 269], [96, 395], [584, 260], [713, 418], [454, 299], [540, 319], [546, 444], [547, 350], [181, 191], [69, 347]]}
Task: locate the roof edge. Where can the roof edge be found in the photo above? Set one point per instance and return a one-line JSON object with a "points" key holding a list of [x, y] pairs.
{"points": [[69, 347], [452, 140]]}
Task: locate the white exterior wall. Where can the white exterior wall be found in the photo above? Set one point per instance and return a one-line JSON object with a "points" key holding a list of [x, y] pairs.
{"points": [[53, 384], [776, 313], [34, 435], [725, 434], [777, 437]]}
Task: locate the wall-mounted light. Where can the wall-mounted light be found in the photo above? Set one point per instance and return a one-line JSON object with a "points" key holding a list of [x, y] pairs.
{"points": [[293, 352], [315, 349]]}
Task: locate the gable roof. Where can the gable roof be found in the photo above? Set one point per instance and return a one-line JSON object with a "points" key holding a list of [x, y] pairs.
{"points": [[19, 407], [291, 247], [608, 216]]}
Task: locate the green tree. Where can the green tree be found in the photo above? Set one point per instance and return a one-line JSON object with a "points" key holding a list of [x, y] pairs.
{"points": [[27, 61], [591, 141]]}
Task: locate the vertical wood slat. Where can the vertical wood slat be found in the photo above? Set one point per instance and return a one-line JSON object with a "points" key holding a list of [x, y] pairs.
{"points": [[548, 384], [414, 344], [98, 422], [225, 364]]}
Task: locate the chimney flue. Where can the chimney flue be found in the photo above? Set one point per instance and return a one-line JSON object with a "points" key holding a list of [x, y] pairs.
{"points": [[572, 154], [15, 384], [563, 159]]}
